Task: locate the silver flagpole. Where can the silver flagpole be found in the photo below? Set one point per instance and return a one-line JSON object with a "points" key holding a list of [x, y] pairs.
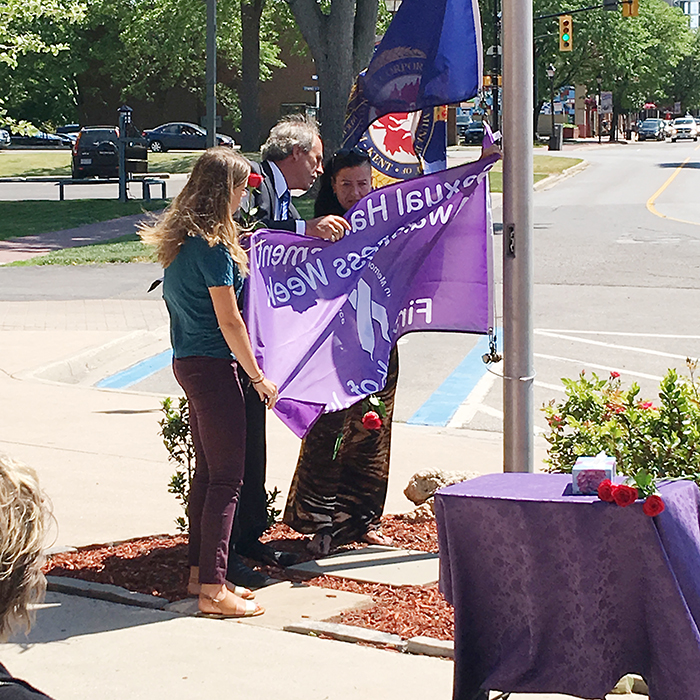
{"points": [[518, 421]]}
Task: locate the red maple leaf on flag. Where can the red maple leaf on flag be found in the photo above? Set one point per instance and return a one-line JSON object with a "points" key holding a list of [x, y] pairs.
{"points": [[396, 136]]}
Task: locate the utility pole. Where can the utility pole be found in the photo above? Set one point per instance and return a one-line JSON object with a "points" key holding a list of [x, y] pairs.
{"points": [[518, 261], [211, 74]]}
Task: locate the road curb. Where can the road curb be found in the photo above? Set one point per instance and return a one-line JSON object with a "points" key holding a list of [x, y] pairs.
{"points": [[552, 180], [104, 591], [426, 646], [348, 633]]}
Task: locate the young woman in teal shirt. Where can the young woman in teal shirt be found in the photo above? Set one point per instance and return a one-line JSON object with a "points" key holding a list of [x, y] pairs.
{"points": [[197, 244]]}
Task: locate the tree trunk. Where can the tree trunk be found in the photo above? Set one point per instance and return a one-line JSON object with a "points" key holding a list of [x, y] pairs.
{"points": [[339, 42], [251, 12]]}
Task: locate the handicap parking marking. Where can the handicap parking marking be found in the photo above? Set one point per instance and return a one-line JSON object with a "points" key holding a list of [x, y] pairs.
{"points": [[138, 372], [446, 400]]}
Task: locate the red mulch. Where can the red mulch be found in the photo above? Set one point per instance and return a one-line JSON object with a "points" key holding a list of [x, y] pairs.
{"points": [[158, 566]]}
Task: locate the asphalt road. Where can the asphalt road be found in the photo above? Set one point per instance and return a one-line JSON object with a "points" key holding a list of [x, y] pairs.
{"points": [[617, 248]]}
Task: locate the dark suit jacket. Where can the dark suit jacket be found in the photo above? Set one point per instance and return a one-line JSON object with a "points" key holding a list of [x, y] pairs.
{"points": [[251, 513], [265, 200]]}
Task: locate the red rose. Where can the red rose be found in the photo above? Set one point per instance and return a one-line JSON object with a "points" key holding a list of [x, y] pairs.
{"points": [[614, 375], [653, 505], [371, 420], [255, 180], [606, 489], [646, 405], [625, 495]]}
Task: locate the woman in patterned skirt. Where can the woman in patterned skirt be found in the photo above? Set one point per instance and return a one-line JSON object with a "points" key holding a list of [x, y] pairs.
{"points": [[338, 493]]}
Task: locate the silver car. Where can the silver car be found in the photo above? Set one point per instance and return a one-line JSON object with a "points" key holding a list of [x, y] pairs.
{"points": [[4, 138]]}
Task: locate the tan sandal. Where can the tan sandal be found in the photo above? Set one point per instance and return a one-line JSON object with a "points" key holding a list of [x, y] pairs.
{"points": [[194, 587], [376, 537], [221, 610]]}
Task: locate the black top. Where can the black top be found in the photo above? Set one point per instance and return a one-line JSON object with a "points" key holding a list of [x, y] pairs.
{"points": [[16, 689]]}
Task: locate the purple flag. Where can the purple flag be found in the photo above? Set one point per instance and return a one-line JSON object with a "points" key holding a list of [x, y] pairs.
{"points": [[324, 316]]}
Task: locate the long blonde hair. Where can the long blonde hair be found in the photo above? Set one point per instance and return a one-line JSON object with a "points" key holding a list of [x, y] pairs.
{"points": [[22, 521], [203, 208]]}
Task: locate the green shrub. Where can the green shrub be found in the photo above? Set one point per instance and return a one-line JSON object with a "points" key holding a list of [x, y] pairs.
{"points": [[599, 415], [177, 438]]}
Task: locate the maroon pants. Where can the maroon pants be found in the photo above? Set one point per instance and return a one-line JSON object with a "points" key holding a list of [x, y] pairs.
{"points": [[217, 421]]}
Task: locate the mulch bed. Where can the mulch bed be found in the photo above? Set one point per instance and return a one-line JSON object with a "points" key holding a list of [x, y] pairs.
{"points": [[158, 566]]}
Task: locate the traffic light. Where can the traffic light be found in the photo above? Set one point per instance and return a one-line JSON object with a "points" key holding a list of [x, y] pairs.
{"points": [[566, 38], [630, 8]]}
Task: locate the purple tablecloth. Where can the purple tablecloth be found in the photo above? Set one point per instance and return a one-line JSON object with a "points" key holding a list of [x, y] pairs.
{"points": [[566, 594]]}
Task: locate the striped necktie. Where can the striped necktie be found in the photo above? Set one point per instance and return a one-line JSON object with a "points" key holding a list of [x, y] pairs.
{"points": [[285, 201]]}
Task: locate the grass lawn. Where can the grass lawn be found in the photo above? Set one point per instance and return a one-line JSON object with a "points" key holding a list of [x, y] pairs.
{"points": [[35, 163], [118, 250], [543, 166], [25, 218], [21, 163], [31, 217]]}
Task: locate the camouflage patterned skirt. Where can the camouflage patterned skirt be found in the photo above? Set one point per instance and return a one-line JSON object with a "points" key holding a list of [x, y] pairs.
{"points": [[343, 497]]}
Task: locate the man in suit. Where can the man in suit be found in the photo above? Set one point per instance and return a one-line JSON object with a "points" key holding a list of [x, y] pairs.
{"points": [[292, 159]]}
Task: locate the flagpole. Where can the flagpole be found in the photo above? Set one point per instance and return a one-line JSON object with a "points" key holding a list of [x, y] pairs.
{"points": [[518, 265]]}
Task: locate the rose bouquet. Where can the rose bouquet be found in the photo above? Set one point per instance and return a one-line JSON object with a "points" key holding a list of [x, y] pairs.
{"points": [[644, 486]]}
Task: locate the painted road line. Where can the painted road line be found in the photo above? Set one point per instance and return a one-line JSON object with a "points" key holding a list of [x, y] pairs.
{"points": [[442, 405], [590, 365], [466, 412], [673, 336], [614, 346], [137, 373], [651, 202]]}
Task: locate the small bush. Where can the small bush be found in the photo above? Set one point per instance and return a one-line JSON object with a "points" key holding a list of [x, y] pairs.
{"points": [[177, 438], [599, 415]]}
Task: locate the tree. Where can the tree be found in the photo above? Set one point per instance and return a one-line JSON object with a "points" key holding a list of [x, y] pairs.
{"points": [[120, 51], [23, 33], [685, 84], [635, 57], [340, 35], [251, 14]]}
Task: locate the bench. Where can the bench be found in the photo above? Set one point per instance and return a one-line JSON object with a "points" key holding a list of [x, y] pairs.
{"points": [[146, 183]]}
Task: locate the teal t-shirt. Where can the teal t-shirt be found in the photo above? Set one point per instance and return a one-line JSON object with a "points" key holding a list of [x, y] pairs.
{"points": [[194, 330]]}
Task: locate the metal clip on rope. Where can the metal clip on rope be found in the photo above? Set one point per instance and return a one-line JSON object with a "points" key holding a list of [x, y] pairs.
{"points": [[492, 356]]}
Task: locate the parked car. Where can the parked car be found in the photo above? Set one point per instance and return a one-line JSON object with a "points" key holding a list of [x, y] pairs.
{"points": [[684, 128], [70, 131], [181, 136], [95, 153], [462, 121], [40, 138], [473, 132], [4, 138], [652, 129]]}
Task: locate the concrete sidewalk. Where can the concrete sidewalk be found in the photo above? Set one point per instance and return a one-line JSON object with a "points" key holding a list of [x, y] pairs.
{"points": [[101, 463]]}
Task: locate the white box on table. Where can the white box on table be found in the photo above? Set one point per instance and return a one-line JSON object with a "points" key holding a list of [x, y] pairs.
{"points": [[588, 472]]}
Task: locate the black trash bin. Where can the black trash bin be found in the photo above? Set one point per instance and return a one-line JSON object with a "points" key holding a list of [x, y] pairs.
{"points": [[556, 140]]}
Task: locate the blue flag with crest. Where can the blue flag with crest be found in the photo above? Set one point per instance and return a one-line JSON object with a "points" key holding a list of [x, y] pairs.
{"points": [[431, 55]]}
